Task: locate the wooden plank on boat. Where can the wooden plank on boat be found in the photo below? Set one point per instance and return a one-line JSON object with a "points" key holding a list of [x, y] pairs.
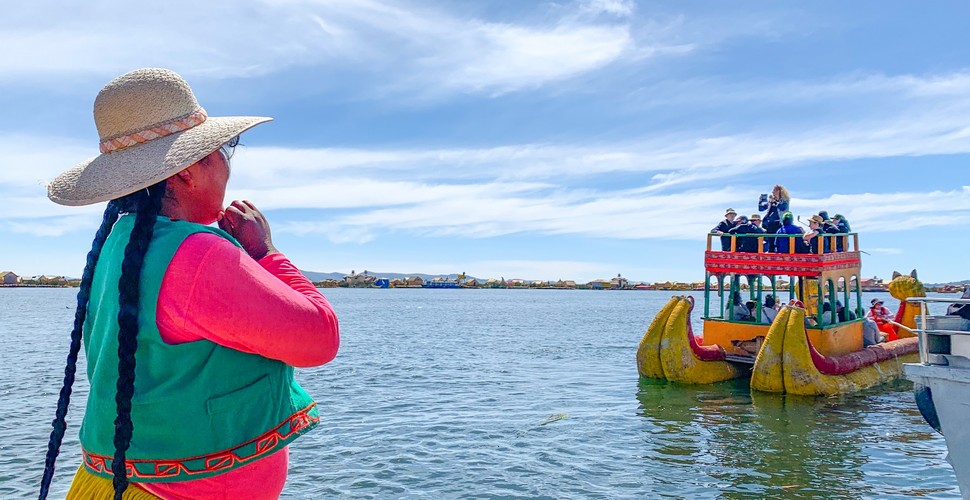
{"points": [[738, 358]]}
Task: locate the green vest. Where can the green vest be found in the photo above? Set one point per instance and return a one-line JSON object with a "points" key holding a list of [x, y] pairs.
{"points": [[199, 409]]}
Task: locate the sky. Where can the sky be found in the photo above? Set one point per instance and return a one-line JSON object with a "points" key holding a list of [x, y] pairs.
{"points": [[518, 139]]}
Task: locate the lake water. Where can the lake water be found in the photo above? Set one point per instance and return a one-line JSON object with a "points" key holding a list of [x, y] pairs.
{"points": [[513, 393]]}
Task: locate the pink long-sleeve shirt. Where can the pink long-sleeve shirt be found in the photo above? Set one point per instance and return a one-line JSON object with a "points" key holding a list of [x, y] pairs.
{"points": [[213, 290]]}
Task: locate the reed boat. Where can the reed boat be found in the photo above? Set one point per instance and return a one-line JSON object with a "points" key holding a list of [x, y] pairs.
{"points": [[812, 346]]}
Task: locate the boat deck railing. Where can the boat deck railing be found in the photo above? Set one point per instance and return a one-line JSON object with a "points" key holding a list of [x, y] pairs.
{"points": [[849, 241], [941, 337]]}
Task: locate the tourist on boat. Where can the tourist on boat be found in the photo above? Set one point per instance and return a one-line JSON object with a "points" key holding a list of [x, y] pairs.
{"points": [[831, 226], [776, 204], [745, 227], [755, 220], [813, 235], [206, 323], [789, 228], [753, 312], [724, 227], [870, 333], [878, 311], [843, 313], [842, 227], [769, 309], [752, 308], [739, 311], [882, 318], [825, 316], [842, 223], [961, 310]]}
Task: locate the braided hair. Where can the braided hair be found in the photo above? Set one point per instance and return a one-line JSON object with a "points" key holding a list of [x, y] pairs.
{"points": [[146, 205], [64, 400]]}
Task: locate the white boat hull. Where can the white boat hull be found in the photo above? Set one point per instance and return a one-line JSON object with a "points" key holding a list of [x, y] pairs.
{"points": [[950, 389]]}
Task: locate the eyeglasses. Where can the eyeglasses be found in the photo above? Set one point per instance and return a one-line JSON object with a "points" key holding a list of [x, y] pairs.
{"points": [[229, 148]]}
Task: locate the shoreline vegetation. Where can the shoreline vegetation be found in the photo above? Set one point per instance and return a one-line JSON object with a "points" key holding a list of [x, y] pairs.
{"points": [[366, 280]]}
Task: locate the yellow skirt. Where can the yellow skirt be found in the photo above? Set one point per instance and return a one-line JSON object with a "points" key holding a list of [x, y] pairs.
{"points": [[87, 486]]}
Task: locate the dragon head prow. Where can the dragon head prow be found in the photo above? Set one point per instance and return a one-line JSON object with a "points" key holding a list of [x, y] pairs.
{"points": [[901, 288], [905, 286]]}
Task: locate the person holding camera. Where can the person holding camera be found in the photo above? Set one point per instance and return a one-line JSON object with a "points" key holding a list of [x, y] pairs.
{"points": [[776, 204]]}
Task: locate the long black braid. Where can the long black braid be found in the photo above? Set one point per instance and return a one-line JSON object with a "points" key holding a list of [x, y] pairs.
{"points": [[146, 205], [64, 400]]}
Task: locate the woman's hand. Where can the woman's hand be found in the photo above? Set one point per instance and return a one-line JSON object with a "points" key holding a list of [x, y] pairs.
{"points": [[249, 226]]}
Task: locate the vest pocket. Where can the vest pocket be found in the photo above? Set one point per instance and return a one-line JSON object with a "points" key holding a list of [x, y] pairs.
{"points": [[260, 389]]}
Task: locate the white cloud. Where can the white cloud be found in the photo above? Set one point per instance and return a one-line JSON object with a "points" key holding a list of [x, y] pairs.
{"points": [[615, 7], [426, 49], [508, 58], [630, 215], [53, 226]]}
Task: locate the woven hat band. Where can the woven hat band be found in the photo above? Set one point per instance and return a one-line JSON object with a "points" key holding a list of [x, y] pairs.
{"points": [[186, 122]]}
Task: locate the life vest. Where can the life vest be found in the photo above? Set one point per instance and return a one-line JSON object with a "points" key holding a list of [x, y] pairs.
{"points": [[884, 326]]}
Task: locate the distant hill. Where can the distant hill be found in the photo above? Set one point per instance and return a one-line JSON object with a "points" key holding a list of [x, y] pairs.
{"points": [[317, 276]]}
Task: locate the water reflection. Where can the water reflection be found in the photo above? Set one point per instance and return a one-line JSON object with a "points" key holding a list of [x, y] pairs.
{"points": [[755, 443]]}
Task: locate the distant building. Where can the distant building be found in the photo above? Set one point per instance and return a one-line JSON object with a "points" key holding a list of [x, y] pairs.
{"points": [[9, 278], [872, 284], [362, 280], [618, 283]]}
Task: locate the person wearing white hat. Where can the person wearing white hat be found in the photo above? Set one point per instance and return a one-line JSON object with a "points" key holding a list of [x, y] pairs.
{"points": [[191, 332], [724, 227], [812, 236], [878, 311]]}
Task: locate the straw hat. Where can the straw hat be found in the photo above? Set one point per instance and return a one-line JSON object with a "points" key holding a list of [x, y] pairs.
{"points": [[754, 217], [729, 212], [816, 219], [151, 128]]}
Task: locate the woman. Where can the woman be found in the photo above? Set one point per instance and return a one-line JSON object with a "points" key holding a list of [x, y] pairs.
{"points": [[882, 317], [812, 236], [776, 204], [191, 333]]}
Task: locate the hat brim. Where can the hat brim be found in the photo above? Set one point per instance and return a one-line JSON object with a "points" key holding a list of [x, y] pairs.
{"points": [[119, 173]]}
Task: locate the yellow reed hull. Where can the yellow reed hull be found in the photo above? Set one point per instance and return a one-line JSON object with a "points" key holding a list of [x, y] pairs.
{"points": [[785, 364], [665, 351]]}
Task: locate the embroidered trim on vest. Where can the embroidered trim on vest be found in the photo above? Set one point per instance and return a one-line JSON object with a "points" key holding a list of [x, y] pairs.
{"points": [[261, 446]]}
